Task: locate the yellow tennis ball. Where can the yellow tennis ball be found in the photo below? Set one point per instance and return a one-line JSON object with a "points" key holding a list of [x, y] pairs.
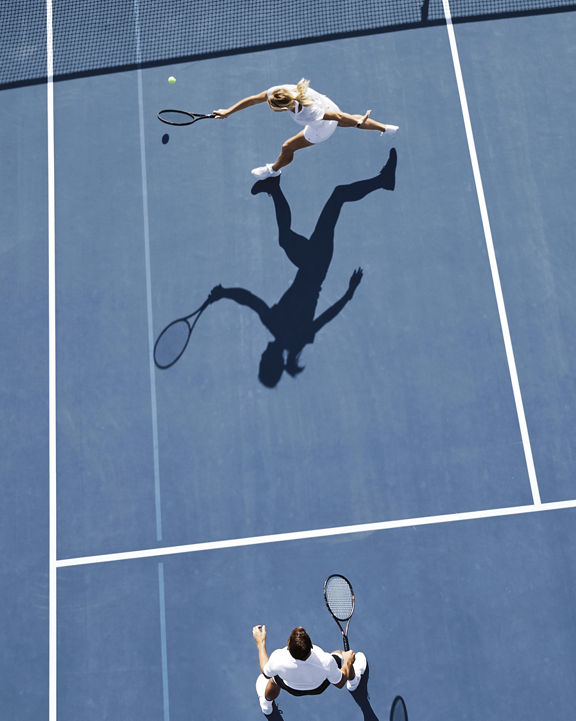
{"points": [[171, 80]]}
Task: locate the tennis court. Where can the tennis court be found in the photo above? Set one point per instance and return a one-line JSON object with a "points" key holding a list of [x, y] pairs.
{"points": [[425, 450]]}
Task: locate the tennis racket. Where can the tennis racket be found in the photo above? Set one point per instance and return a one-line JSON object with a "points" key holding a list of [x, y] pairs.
{"points": [[339, 598], [173, 340], [398, 711], [181, 117]]}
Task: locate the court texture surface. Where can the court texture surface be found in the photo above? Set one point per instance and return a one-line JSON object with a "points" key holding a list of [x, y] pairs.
{"points": [[425, 449]]}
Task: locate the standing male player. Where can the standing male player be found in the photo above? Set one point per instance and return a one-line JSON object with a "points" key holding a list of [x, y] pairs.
{"points": [[302, 669]]}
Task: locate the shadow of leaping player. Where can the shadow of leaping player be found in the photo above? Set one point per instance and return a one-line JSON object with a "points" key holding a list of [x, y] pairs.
{"points": [[292, 320]]}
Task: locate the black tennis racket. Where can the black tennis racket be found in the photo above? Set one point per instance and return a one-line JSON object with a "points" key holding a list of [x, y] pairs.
{"points": [[181, 117], [398, 711], [173, 340], [339, 597]]}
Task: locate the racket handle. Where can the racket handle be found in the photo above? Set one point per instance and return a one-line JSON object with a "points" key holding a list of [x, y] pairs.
{"points": [[346, 644]]}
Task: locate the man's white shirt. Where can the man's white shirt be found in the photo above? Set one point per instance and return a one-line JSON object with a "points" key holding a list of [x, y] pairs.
{"points": [[303, 675]]}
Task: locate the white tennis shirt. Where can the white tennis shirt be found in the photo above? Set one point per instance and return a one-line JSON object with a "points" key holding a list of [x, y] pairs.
{"points": [[309, 113], [303, 675]]}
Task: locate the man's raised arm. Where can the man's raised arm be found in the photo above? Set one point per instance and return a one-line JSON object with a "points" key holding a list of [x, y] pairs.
{"points": [[259, 633]]}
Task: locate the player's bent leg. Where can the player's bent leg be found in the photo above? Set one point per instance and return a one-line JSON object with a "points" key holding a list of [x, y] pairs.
{"points": [[370, 124], [272, 690], [289, 147], [267, 691]]}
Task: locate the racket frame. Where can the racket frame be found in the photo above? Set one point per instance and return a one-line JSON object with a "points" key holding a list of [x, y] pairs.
{"points": [[343, 631], [193, 117]]}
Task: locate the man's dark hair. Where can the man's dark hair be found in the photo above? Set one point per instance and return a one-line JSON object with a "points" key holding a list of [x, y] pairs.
{"points": [[299, 644]]}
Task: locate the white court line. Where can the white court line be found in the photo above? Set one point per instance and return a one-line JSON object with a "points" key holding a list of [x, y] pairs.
{"points": [[149, 313], [52, 552], [492, 258], [316, 533], [163, 641]]}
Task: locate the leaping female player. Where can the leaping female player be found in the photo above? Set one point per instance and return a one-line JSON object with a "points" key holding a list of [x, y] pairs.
{"points": [[317, 113]]}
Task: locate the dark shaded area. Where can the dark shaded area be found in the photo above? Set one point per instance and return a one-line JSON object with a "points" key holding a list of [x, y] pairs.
{"points": [[362, 697], [111, 36], [165, 138], [398, 712], [276, 714], [292, 321]]}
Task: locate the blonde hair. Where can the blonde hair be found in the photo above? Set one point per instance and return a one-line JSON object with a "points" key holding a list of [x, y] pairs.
{"points": [[282, 98]]}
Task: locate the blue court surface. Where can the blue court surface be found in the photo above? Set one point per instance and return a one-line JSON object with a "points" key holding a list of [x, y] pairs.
{"points": [[420, 444]]}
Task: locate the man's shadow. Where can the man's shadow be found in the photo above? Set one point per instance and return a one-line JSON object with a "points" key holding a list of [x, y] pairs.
{"points": [[292, 321], [362, 698]]}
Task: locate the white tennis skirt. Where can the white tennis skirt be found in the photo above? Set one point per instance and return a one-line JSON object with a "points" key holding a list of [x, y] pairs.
{"points": [[319, 131]]}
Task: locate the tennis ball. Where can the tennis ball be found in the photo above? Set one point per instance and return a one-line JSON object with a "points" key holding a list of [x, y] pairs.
{"points": [[171, 80]]}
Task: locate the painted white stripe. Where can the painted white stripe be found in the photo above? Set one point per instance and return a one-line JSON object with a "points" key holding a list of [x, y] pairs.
{"points": [[492, 258], [52, 552], [163, 642], [146, 226], [317, 533]]}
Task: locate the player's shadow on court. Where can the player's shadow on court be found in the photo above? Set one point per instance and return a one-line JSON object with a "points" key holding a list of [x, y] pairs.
{"points": [[292, 321], [362, 698]]}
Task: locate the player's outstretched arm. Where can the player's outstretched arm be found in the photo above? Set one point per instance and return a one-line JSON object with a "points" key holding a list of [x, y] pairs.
{"points": [[259, 634], [331, 313], [241, 105], [346, 119], [364, 122], [242, 297]]}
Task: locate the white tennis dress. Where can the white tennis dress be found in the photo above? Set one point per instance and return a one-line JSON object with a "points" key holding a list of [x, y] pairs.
{"points": [[316, 130]]}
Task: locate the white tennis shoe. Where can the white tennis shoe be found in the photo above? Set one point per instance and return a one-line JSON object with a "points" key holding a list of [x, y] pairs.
{"points": [[266, 171]]}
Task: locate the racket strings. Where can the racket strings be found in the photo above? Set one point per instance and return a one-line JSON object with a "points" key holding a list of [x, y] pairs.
{"points": [[181, 117], [339, 598], [176, 117]]}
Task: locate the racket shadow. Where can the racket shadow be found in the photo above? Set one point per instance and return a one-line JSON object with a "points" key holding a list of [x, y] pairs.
{"points": [[362, 697], [398, 711]]}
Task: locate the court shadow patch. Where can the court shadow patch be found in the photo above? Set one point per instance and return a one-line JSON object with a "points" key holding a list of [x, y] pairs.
{"points": [[362, 697]]}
